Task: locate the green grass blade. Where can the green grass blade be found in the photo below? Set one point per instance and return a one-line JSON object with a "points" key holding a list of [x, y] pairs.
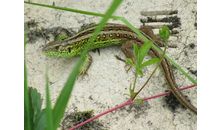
{"points": [[71, 10], [63, 98], [65, 9], [32, 102], [28, 111], [181, 70], [49, 115]]}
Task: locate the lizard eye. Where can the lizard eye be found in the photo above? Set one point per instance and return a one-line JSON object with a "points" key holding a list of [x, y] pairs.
{"points": [[57, 47], [69, 50]]}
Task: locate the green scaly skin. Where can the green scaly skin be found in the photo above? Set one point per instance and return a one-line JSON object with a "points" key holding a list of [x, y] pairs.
{"points": [[57, 50], [67, 48]]}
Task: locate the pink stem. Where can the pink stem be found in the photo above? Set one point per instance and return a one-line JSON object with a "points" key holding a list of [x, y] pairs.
{"points": [[129, 102], [144, 99]]}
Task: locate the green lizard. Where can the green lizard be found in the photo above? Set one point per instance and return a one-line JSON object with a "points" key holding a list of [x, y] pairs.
{"points": [[110, 35]]}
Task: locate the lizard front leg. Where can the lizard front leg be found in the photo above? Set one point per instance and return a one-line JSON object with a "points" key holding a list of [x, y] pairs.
{"points": [[85, 66]]}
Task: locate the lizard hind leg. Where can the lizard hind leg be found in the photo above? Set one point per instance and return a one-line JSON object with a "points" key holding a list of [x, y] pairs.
{"points": [[149, 32]]}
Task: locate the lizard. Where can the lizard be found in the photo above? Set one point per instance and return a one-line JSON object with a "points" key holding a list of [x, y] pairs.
{"points": [[110, 35]]}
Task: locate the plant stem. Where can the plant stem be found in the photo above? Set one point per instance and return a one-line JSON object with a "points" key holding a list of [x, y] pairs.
{"points": [[153, 71], [162, 94], [129, 102], [135, 81]]}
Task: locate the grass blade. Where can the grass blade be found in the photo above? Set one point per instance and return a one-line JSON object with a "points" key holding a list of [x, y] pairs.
{"points": [[49, 116], [65, 9], [71, 10], [63, 98], [28, 111], [181, 70]]}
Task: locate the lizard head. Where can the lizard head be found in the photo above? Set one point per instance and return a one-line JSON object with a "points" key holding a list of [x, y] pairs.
{"points": [[58, 49]]}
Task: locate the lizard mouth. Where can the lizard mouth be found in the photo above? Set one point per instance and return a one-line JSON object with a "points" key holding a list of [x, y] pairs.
{"points": [[56, 49]]}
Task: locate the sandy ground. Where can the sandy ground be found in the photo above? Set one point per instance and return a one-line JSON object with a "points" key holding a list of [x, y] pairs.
{"points": [[108, 80]]}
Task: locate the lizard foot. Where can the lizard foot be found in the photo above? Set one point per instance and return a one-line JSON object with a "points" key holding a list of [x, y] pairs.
{"points": [[126, 64], [85, 66], [82, 74]]}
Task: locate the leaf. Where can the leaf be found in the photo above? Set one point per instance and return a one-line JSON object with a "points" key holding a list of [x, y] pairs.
{"points": [[130, 62], [138, 101], [150, 62], [164, 33], [133, 94], [127, 94], [136, 53], [35, 99], [130, 89], [144, 50], [40, 121], [138, 70], [36, 102]]}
